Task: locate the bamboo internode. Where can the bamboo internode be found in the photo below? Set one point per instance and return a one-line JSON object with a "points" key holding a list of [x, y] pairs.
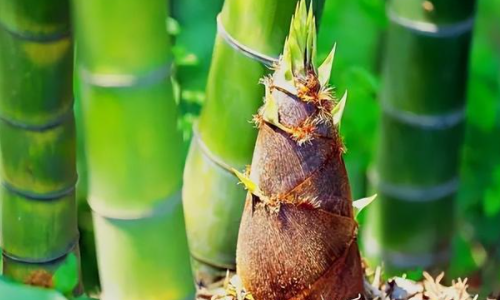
{"points": [[422, 126], [134, 149], [39, 227]]}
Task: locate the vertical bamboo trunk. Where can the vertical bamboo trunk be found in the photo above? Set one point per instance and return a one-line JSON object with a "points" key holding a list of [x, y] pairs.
{"points": [[133, 148], [37, 129], [90, 274], [423, 106], [359, 30], [223, 137]]}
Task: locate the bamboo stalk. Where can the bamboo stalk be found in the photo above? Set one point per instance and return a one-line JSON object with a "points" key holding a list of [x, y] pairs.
{"points": [[134, 149], [38, 138], [359, 30], [223, 137], [423, 102], [90, 274]]}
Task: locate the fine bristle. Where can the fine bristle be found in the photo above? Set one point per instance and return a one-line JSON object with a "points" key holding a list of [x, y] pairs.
{"points": [[297, 75]]}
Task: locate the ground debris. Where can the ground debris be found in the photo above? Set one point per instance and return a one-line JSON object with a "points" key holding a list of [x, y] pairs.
{"points": [[401, 288], [231, 288], [396, 288]]}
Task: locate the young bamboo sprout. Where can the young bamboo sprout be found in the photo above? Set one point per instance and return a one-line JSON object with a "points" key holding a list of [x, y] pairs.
{"points": [[297, 237]]}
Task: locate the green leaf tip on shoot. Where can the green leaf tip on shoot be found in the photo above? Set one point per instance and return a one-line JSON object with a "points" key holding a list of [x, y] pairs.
{"points": [[250, 186], [270, 112], [325, 69], [338, 110], [297, 76], [360, 204], [299, 51]]}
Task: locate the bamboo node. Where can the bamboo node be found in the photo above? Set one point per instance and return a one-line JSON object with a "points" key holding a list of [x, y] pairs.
{"points": [[431, 29], [212, 157], [127, 80], [37, 38], [245, 50]]}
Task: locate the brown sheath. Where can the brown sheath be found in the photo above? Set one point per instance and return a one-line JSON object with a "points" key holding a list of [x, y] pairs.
{"points": [[307, 248]]}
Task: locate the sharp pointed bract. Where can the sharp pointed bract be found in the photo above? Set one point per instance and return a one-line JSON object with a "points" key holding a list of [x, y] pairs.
{"points": [[360, 204], [270, 112], [251, 186], [325, 70], [338, 111]]}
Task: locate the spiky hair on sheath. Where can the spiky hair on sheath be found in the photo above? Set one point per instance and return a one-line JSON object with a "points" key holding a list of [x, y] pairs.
{"points": [[314, 112], [296, 75]]}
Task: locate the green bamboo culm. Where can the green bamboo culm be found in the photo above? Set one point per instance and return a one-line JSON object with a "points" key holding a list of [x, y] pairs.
{"points": [[37, 129], [90, 274], [222, 137], [422, 126], [133, 148]]}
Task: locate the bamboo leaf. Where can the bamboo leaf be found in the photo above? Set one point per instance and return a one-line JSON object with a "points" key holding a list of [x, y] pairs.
{"points": [[310, 16], [303, 24], [299, 24], [173, 27], [302, 14], [338, 110], [270, 110], [286, 63], [66, 276], [311, 35], [251, 186], [360, 204], [311, 41], [325, 70], [296, 54], [16, 291]]}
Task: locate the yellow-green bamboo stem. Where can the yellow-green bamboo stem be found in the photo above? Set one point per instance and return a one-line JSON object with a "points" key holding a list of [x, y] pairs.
{"points": [[133, 147]]}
